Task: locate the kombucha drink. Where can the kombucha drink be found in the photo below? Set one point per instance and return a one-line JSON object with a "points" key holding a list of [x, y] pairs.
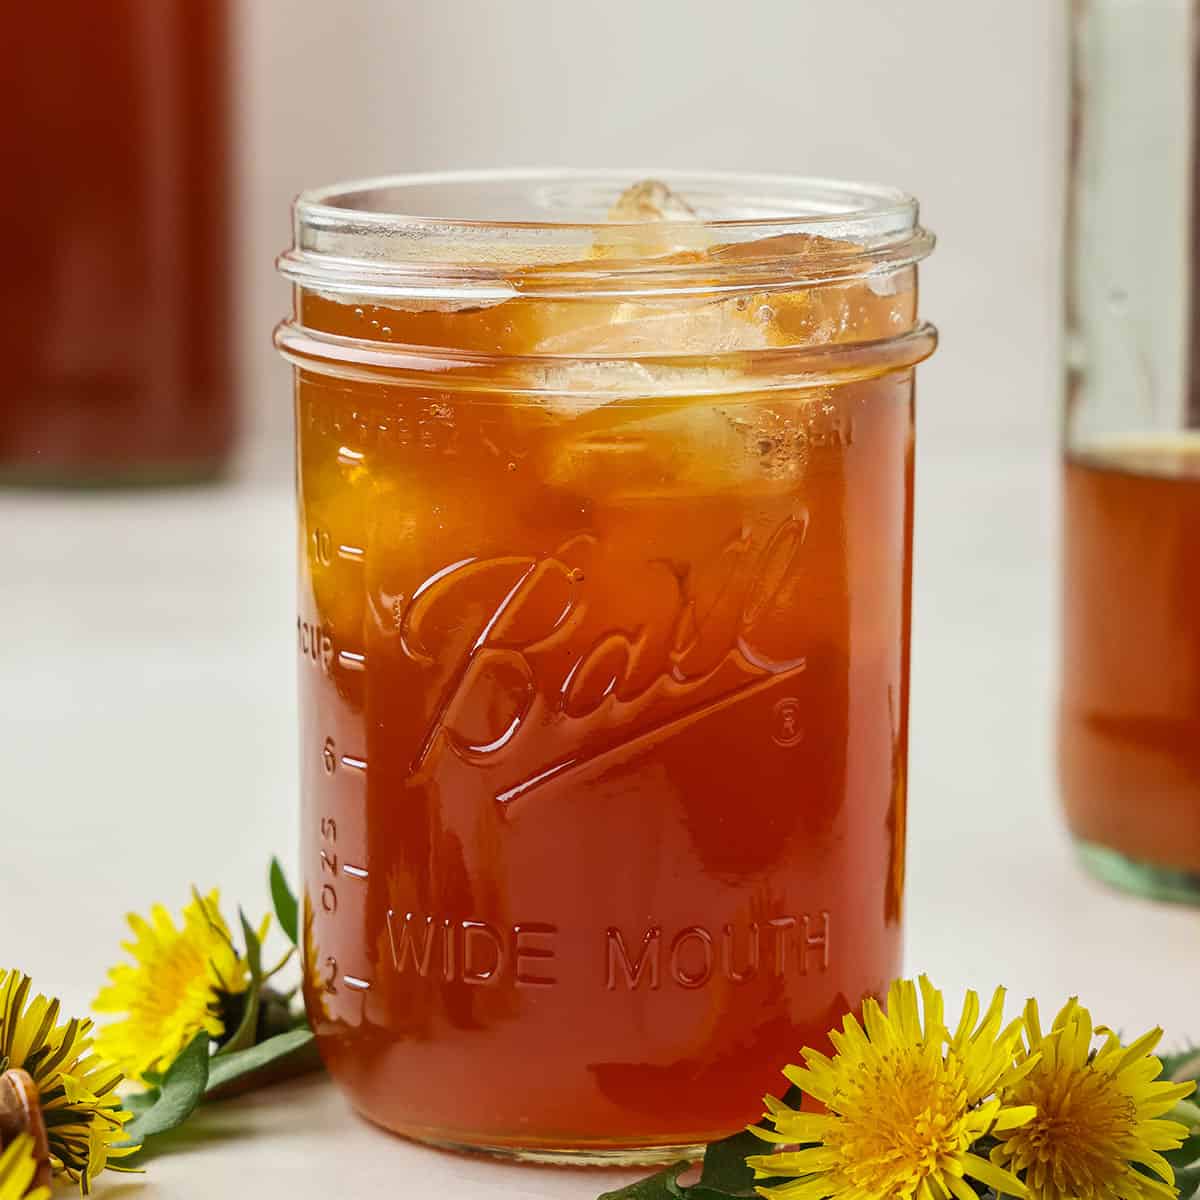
{"points": [[115, 299], [603, 639], [1130, 719]]}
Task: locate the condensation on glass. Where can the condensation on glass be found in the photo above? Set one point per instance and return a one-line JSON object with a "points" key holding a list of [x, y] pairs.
{"points": [[1129, 723], [605, 532], [116, 289]]}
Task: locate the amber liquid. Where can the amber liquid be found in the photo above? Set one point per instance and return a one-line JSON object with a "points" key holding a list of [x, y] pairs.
{"points": [[1129, 749], [117, 280], [604, 725]]}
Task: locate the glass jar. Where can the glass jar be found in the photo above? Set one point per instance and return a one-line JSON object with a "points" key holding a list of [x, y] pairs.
{"points": [[605, 532], [1129, 727], [116, 291]]}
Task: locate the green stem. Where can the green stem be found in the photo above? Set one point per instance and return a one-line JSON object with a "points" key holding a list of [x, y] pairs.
{"points": [[283, 962]]}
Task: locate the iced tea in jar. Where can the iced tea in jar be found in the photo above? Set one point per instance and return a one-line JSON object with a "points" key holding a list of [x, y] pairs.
{"points": [[605, 498]]}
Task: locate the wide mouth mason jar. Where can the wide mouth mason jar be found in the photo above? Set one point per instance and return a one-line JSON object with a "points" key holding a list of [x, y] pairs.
{"points": [[605, 512]]}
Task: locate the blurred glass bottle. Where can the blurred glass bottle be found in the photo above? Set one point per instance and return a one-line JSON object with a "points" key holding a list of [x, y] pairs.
{"points": [[115, 293], [1129, 727]]}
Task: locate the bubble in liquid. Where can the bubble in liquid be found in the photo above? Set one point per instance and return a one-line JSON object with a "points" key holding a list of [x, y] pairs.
{"points": [[375, 324], [764, 313], [386, 331], [358, 312], [512, 466], [575, 575]]}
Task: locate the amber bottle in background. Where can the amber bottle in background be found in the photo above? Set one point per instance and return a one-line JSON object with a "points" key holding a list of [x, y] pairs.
{"points": [[115, 295], [1129, 729]]}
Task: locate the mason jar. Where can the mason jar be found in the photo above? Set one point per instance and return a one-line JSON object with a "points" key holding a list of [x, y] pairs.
{"points": [[605, 520]]}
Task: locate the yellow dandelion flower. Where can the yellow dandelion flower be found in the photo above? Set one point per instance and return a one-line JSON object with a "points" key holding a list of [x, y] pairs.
{"points": [[905, 1103], [1098, 1114], [76, 1089], [17, 1169], [178, 984], [314, 979]]}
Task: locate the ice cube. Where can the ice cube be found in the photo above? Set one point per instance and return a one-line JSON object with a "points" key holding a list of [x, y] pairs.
{"points": [[651, 200], [677, 325], [644, 455], [776, 437], [882, 304], [700, 446], [651, 221]]}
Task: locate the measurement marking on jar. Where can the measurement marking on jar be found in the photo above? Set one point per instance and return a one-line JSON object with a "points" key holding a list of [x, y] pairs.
{"points": [[355, 764], [348, 660], [350, 458], [353, 871], [351, 553], [359, 985]]}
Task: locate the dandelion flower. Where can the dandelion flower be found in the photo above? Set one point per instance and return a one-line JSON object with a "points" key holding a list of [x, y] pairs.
{"points": [[315, 984], [1098, 1114], [180, 982], [76, 1089], [905, 1103], [17, 1169]]}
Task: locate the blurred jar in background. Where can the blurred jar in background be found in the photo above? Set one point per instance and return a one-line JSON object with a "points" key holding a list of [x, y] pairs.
{"points": [[1129, 731], [115, 293]]}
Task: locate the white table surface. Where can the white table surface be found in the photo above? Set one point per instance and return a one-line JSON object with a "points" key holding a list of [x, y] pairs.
{"points": [[146, 674]]}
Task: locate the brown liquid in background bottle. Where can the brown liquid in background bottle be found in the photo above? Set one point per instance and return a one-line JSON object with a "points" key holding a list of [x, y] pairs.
{"points": [[1129, 734], [115, 290]]}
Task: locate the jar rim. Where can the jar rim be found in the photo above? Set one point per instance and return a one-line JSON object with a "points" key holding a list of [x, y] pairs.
{"points": [[810, 199], [468, 233], [655, 377]]}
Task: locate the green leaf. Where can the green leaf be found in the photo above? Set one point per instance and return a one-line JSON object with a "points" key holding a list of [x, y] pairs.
{"points": [[139, 1102], [1188, 1181], [661, 1186], [286, 908], [253, 948], [725, 1163], [724, 1174], [1186, 1155], [182, 1087], [665, 1185], [280, 1057], [243, 1037]]}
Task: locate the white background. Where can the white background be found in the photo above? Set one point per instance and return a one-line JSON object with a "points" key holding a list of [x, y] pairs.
{"points": [[146, 702], [958, 102]]}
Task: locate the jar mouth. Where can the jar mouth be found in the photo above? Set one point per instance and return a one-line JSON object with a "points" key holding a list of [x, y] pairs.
{"points": [[487, 235]]}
